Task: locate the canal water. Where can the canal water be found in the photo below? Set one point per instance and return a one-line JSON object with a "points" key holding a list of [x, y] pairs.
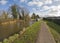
{"points": [[7, 30]]}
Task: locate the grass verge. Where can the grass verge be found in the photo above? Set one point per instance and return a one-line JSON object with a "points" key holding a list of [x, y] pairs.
{"points": [[30, 35], [55, 30]]}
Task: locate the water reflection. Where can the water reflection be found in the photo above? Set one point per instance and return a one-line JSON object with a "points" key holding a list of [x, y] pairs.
{"points": [[9, 29], [32, 22]]}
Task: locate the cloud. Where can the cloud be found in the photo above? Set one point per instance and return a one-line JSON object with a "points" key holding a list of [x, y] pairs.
{"points": [[34, 9], [10, 5], [52, 10], [56, 0], [48, 1], [3, 2], [59, 7], [35, 0], [46, 7], [23, 0], [55, 10], [31, 3], [37, 3]]}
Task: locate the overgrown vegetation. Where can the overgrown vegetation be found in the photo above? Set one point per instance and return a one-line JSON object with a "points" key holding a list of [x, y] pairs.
{"points": [[54, 26], [55, 30], [30, 35]]}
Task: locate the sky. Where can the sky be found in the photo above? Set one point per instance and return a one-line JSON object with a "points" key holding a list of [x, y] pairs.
{"points": [[40, 7]]}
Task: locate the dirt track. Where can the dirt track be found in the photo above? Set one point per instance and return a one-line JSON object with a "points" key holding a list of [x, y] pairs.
{"points": [[44, 35]]}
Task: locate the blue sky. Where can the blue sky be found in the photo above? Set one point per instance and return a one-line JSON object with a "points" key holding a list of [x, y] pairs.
{"points": [[41, 7]]}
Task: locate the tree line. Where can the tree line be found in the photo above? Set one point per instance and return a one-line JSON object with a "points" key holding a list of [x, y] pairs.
{"points": [[17, 12]]}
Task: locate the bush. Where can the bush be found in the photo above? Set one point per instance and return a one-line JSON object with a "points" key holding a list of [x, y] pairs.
{"points": [[5, 41], [14, 37], [0, 42], [11, 39]]}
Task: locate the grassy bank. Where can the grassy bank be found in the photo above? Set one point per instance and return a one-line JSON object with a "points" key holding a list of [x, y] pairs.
{"points": [[55, 30], [30, 35], [54, 26]]}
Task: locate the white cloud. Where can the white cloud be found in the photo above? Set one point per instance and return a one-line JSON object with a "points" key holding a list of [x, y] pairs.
{"points": [[39, 4], [59, 7], [34, 9], [3, 2], [31, 3], [53, 10], [46, 7], [48, 1], [10, 5], [35, 0], [23, 0], [56, 0]]}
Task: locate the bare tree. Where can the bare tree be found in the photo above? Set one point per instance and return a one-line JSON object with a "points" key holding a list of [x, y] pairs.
{"points": [[5, 15]]}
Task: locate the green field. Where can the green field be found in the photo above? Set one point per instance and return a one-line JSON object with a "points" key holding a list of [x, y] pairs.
{"points": [[30, 35], [55, 30]]}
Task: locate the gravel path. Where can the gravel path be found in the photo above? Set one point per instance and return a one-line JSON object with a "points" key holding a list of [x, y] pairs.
{"points": [[44, 35]]}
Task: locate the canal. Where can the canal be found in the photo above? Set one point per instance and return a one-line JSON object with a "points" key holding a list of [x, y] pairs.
{"points": [[7, 30]]}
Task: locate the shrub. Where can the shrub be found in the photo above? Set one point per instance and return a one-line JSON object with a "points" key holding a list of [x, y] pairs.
{"points": [[5, 41], [0, 42], [16, 36]]}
